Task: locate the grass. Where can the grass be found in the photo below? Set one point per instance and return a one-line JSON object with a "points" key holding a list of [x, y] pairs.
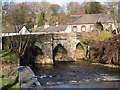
{"points": [[9, 56], [9, 84], [3, 54]]}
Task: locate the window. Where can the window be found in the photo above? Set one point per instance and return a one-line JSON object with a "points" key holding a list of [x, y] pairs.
{"points": [[83, 28], [91, 27], [74, 28]]}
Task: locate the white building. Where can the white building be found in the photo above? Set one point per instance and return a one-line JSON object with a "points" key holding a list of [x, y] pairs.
{"points": [[86, 22], [24, 31]]}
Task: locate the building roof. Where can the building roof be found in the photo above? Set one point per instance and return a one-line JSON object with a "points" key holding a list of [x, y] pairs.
{"points": [[89, 19], [38, 29], [24, 30], [58, 28]]}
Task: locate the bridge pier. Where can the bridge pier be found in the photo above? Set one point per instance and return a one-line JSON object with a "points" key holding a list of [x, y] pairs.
{"points": [[72, 56], [46, 57], [71, 52], [44, 42]]}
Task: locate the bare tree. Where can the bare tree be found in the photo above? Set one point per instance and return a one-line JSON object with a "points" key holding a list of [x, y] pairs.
{"points": [[73, 8], [45, 6], [55, 9], [112, 12], [6, 25], [20, 15]]}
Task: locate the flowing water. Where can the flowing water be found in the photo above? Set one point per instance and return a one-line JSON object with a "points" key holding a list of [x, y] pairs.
{"points": [[77, 75]]}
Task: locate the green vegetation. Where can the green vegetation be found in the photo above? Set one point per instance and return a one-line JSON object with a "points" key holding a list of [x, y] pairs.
{"points": [[95, 36], [105, 36], [93, 8], [9, 84], [2, 54], [10, 63], [41, 19], [9, 56]]}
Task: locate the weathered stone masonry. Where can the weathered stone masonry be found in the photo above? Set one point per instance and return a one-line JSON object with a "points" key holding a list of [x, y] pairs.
{"points": [[47, 43]]}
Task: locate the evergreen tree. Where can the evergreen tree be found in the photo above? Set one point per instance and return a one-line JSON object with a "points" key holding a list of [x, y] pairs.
{"points": [[99, 25], [93, 8], [41, 18]]}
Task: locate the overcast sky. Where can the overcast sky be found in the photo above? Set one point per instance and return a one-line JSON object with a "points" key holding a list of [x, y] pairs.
{"points": [[60, 2]]}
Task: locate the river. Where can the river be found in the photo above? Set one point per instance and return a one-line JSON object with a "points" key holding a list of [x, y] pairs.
{"points": [[80, 74]]}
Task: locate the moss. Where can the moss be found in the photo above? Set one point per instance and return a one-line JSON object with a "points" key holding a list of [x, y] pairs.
{"points": [[17, 86], [9, 56], [9, 84], [3, 54]]}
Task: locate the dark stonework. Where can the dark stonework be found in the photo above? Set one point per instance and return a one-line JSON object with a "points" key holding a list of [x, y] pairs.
{"points": [[46, 43]]}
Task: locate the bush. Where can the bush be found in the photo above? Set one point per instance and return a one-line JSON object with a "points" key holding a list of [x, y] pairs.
{"points": [[105, 36], [107, 52]]}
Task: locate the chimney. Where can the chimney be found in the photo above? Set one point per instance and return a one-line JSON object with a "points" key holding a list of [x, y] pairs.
{"points": [[46, 25]]}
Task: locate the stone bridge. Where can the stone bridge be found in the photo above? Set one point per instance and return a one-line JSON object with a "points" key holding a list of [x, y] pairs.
{"points": [[46, 44]]}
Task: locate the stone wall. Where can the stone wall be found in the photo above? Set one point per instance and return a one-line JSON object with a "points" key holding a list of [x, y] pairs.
{"points": [[45, 44]]}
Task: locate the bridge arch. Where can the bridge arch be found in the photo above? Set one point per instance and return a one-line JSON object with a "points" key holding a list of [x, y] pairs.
{"points": [[80, 51], [38, 51], [38, 55], [80, 45], [59, 53]]}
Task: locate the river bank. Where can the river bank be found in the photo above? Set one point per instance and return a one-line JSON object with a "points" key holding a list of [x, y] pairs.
{"points": [[107, 65]]}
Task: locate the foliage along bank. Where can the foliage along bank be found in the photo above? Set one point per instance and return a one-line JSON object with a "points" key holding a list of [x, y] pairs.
{"points": [[106, 52]]}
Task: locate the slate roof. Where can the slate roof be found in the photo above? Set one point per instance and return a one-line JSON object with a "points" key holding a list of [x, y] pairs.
{"points": [[58, 28], [38, 29], [89, 19]]}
